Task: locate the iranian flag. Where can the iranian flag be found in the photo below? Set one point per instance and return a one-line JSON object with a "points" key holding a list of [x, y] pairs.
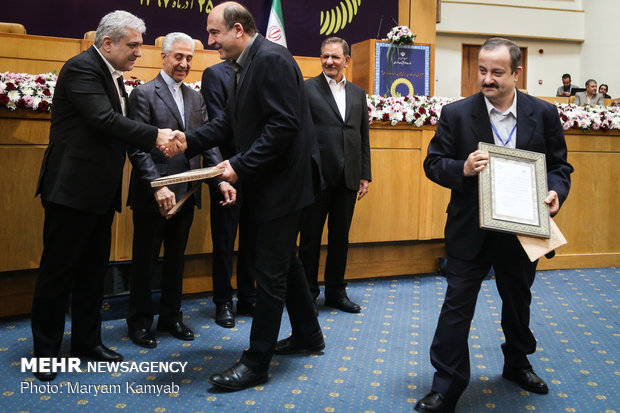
{"points": [[275, 27]]}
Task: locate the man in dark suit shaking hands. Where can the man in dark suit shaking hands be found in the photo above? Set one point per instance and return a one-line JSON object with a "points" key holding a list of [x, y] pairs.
{"points": [[268, 119], [80, 187], [340, 115], [499, 115]]}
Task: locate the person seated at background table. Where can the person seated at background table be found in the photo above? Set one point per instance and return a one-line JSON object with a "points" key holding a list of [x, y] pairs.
{"points": [[589, 97], [566, 88], [602, 89]]}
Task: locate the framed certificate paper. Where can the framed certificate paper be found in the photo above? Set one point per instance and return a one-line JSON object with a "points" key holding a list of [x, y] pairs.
{"points": [[512, 191], [188, 176]]}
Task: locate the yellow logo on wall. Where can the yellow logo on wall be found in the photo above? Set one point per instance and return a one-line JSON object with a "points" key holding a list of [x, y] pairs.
{"points": [[337, 18]]}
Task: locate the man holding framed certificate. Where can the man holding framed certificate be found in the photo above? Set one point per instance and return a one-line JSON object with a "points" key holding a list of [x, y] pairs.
{"points": [[503, 116]]}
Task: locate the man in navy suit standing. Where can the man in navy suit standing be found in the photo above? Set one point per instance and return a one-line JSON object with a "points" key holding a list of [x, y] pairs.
{"points": [[340, 115], [276, 164], [80, 186], [215, 89], [502, 115]]}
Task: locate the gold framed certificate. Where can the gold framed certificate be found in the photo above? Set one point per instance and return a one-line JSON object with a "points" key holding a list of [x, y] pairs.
{"points": [[188, 176], [512, 191]]}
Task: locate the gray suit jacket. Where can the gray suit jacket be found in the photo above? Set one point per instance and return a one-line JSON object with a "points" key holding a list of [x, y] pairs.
{"points": [[582, 99], [153, 103], [343, 144]]}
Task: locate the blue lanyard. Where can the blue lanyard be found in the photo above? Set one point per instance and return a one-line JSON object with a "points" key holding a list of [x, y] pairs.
{"points": [[512, 132]]}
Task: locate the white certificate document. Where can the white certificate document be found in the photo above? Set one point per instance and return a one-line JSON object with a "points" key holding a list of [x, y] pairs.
{"points": [[513, 191]]}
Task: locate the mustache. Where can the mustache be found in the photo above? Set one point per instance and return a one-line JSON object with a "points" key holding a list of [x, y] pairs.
{"points": [[493, 85]]}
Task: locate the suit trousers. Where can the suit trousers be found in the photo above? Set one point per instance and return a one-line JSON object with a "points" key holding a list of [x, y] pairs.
{"points": [[150, 230], [514, 275], [224, 223], [339, 203], [76, 250], [279, 278]]}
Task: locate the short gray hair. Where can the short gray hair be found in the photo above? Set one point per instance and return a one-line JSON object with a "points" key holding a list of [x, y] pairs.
{"points": [[115, 25], [590, 81], [172, 38]]}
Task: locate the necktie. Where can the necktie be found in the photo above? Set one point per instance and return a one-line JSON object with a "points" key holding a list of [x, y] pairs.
{"points": [[178, 98]]}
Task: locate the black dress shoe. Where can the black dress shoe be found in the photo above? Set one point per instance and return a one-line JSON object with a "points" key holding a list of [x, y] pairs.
{"points": [[342, 303], [433, 403], [142, 337], [291, 345], [99, 353], [527, 379], [224, 316], [238, 377], [177, 330], [45, 376], [245, 308]]}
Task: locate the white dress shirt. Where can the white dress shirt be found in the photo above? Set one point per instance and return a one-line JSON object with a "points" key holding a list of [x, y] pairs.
{"points": [[338, 91], [504, 124]]}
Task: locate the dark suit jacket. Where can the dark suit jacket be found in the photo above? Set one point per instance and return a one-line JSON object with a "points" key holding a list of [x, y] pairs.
{"points": [[277, 157], [461, 126], [344, 145], [152, 103], [83, 164]]}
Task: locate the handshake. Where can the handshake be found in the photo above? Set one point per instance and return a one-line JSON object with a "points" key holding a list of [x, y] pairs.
{"points": [[170, 142]]}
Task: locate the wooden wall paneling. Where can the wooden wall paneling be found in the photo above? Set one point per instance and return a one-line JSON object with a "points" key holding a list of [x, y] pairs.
{"points": [[21, 241], [16, 288], [35, 54], [433, 198], [122, 226], [24, 127], [364, 71], [395, 157]]}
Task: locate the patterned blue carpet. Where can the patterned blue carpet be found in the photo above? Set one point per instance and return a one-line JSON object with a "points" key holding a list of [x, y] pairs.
{"points": [[376, 361]]}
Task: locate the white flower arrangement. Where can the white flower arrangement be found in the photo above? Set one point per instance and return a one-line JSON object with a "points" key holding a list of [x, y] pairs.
{"points": [[426, 110], [400, 35], [22, 90], [34, 92], [413, 110]]}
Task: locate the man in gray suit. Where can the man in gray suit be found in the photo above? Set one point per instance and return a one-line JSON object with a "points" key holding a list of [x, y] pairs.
{"points": [[340, 115], [163, 101], [590, 96]]}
